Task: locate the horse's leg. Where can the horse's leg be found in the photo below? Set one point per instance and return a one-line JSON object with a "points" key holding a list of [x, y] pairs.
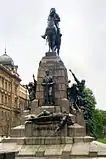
{"points": [[54, 42], [58, 51], [49, 43], [49, 48]]}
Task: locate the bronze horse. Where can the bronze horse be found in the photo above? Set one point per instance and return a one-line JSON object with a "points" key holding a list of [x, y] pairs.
{"points": [[53, 37]]}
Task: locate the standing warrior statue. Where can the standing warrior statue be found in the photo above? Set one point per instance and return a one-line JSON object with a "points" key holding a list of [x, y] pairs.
{"points": [[79, 89], [80, 85], [32, 89], [52, 32], [48, 89]]}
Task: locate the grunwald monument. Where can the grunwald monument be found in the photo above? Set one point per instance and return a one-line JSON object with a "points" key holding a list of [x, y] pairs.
{"points": [[53, 127]]}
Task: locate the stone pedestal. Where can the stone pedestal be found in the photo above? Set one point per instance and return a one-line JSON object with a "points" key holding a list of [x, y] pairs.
{"points": [[34, 105], [58, 71], [46, 129], [80, 118], [64, 105]]}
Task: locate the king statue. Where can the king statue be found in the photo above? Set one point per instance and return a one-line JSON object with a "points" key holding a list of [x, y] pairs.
{"points": [[52, 33]]}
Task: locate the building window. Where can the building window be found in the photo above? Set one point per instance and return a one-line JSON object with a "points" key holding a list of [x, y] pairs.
{"points": [[16, 102], [6, 100], [2, 114], [6, 85], [2, 99], [9, 101], [2, 82], [16, 90], [9, 87]]}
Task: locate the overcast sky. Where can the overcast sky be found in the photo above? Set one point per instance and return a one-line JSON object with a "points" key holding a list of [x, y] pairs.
{"points": [[83, 49]]}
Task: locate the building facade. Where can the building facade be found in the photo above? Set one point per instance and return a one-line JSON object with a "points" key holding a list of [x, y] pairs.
{"points": [[23, 98], [12, 94]]}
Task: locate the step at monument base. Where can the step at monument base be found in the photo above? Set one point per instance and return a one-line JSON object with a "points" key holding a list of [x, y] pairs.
{"points": [[47, 140]]}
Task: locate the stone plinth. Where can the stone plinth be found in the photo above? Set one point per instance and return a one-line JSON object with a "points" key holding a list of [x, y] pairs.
{"points": [[76, 130], [18, 131], [45, 129], [58, 71]]}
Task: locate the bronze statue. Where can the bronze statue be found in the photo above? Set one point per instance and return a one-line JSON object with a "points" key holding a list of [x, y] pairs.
{"points": [[56, 19], [48, 89], [49, 117], [75, 92], [32, 89], [53, 31], [80, 85]]}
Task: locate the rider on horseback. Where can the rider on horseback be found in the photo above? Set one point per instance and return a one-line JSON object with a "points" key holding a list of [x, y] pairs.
{"points": [[56, 20]]}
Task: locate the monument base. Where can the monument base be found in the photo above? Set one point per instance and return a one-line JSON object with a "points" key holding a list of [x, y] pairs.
{"points": [[41, 140]]}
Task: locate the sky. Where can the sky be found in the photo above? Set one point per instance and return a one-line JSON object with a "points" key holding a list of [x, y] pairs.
{"points": [[83, 48]]}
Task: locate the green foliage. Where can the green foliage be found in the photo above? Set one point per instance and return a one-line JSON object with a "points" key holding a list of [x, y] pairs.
{"points": [[98, 121], [89, 109], [104, 117], [102, 140]]}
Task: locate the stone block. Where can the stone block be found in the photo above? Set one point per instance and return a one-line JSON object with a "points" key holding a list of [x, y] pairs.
{"points": [[53, 150], [64, 103], [38, 141], [39, 95], [78, 139], [62, 140], [57, 109], [48, 108], [63, 132], [41, 101], [42, 140], [18, 131], [34, 105], [50, 54], [88, 139], [93, 153], [63, 87], [76, 130], [63, 73], [61, 80], [61, 94], [57, 94], [80, 118], [29, 141], [40, 151], [66, 151], [68, 140], [20, 141], [28, 129], [47, 140]]}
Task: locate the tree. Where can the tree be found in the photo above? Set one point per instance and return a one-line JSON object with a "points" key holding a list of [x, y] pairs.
{"points": [[89, 103], [98, 121]]}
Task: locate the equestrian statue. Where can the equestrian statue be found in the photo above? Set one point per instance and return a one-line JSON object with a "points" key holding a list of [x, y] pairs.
{"points": [[52, 33]]}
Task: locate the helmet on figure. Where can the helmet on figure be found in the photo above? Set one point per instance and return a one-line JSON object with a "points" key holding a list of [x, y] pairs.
{"points": [[52, 10]]}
